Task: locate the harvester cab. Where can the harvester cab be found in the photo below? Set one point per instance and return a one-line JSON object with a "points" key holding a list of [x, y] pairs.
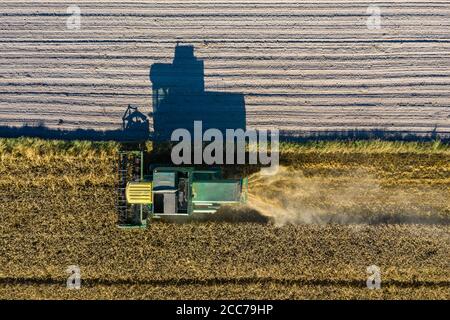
{"points": [[171, 191]]}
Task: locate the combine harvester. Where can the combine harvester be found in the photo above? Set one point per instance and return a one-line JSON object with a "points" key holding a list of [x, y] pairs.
{"points": [[146, 190], [170, 191]]}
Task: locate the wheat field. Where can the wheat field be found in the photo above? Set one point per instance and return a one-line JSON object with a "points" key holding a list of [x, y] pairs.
{"points": [[57, 209]]}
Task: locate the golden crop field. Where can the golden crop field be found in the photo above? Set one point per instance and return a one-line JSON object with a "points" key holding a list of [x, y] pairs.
{"points": [[334, 209]]}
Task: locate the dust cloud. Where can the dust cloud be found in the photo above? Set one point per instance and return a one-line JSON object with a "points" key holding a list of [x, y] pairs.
{"points": [[350, 197]]}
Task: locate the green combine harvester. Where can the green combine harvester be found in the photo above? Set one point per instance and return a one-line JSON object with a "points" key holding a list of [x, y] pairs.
{"points": [[170, 191]]}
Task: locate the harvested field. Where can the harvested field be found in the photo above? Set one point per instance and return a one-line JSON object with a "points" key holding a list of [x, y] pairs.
{"points": [[57, 208], [301, 66]]}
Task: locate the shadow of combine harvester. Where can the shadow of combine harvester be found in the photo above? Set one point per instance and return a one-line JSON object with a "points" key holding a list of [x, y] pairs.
{"points": [[179, 98]]}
